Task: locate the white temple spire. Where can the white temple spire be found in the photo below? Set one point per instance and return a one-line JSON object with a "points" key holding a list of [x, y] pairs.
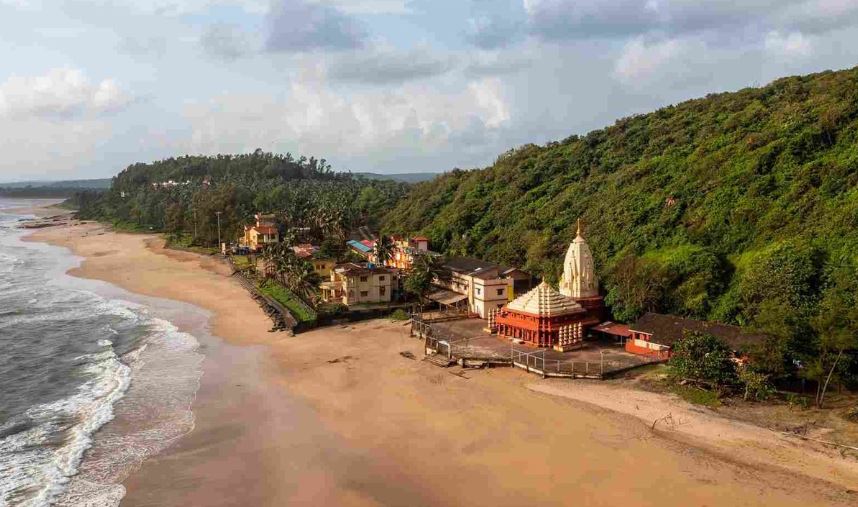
{"points": [[579, 275]]}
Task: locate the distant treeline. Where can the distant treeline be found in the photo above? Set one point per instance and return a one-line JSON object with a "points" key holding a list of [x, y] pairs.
{"points": [[38, 192], [184, 196]]}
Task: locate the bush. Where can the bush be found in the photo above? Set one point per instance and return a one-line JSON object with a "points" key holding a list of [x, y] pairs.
{"points": [[703, 358], [756, 385], [400, 315]]}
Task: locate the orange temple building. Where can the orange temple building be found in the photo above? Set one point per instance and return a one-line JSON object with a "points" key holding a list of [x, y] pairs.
{"points": [[545, 317]]}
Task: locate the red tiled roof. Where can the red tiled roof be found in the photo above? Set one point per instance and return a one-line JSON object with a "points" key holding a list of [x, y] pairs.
{"points": [[368, 243], [614, 329], [420, 238], [668, 329], [264, 229]]}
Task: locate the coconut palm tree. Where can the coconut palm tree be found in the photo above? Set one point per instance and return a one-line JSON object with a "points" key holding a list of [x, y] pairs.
{"points": [[383, 250]]}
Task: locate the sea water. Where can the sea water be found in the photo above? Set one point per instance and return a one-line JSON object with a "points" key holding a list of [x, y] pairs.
{"points": [[93, 380]]}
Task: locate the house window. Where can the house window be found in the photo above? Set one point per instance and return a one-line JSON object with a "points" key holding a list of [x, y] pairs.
{"points": [[382, 291], [363, 279], [351, 294], [364, 293], [479, 291], [500, 292], [381, 279]]}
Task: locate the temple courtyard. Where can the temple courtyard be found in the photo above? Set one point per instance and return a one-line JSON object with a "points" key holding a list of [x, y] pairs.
{"points": [[466, 341]]}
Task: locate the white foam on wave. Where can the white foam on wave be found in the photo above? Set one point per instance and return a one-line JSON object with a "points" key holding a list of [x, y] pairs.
{"points": [[41, 460], [75, 310], [155, 412]]}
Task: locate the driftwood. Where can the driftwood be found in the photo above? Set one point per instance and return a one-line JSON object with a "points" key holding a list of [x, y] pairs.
{"points": [[666, 419], [820, 441]]}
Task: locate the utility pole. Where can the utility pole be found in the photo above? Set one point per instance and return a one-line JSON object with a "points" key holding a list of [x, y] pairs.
{"points": [[218, 228], [195, 224]]}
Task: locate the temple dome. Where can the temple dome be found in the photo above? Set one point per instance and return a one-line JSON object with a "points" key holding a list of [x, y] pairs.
{"points": [[544, 301]]}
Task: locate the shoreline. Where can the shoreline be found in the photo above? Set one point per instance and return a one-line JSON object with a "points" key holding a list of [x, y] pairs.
{"points": [[349, 387]]}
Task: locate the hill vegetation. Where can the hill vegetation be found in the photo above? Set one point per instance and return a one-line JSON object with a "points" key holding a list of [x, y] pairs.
{"points": [[738, 207]]}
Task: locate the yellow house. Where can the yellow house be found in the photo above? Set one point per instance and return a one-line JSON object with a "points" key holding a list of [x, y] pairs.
{"points": [[353, 284], [323, 267], [265, 232]]}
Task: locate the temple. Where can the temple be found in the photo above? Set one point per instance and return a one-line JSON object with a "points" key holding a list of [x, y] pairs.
{"points": [[579, 276], [545, 317]]}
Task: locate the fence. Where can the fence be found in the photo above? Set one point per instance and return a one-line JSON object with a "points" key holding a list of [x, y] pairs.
{"points": [[536, 362]]}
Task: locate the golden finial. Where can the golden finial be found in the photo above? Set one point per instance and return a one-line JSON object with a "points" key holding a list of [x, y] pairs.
{"points": [[579, 227]]}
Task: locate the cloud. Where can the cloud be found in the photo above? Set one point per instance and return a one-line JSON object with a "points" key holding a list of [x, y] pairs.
{"points": [[793, 45], [298, 26], [60, 94], [579, 19], [489, 32], [415, 123], [225, 41], [370, 6], [155, 46], [497, 63], [640, 59], [386, 66]]}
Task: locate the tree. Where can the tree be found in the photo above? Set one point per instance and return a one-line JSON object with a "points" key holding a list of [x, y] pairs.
{"points": [[703, 358], [332, 248], [304, 281], [175, 219], [383, 249], [637, 288], [418, 282], [836, 325]]}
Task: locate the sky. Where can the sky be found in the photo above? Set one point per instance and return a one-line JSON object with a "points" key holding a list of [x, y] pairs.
{"points": [[88, 87]]}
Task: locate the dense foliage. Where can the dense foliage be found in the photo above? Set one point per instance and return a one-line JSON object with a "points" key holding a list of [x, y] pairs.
{"points": [[703, 358], [723, 208], [184, 196]]}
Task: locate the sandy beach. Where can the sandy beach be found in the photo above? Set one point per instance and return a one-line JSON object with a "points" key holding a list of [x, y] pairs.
{"points": [[338, 416]]}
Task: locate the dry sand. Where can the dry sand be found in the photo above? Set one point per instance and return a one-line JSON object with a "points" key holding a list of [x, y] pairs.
{"points": [[338, 417]]}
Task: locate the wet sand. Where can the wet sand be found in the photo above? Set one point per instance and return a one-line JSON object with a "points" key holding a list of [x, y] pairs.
{"points": [[338, 417]]}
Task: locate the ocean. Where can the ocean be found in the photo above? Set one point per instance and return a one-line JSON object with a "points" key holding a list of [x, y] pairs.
{"points": [[93, 379]]}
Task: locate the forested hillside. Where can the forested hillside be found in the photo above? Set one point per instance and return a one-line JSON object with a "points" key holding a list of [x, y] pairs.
{"points": [[182, 195], [740, 207]]}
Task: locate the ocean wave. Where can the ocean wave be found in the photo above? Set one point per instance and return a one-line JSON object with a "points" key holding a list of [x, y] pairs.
{"points": [[38, 462], [155, 412]]}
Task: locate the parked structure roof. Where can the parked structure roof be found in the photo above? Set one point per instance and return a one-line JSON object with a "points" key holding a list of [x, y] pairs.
{"points": [[668, 329]]}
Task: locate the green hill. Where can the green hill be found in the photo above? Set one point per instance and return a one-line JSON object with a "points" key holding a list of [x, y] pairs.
{"points": [[740, 207]]}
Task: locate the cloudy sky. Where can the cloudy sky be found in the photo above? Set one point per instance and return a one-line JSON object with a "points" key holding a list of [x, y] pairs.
{"points": [[90, 86]]}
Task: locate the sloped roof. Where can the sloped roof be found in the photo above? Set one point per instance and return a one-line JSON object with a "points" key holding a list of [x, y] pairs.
{"points": [[357, 245], [544, 301], [668, 329], [353, 269], [264, 229]]}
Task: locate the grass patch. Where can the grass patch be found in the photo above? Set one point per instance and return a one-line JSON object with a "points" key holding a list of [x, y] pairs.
{"points": [[185, 242], [242, 262], [123, 226], [697, 396], [286, 298]]}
